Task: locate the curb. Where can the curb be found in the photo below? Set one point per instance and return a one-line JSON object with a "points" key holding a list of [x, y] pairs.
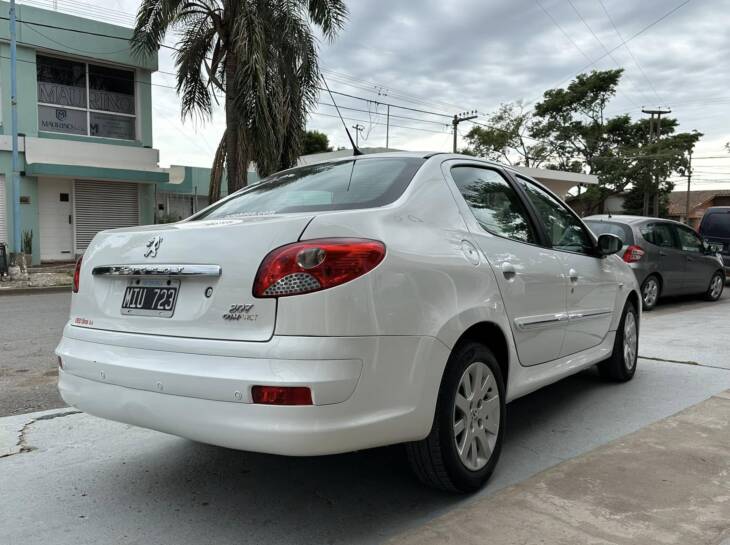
{"points": [[26, 291]]}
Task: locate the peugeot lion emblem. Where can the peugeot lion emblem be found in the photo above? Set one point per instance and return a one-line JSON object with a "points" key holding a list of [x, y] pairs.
{"points": [[152, 246]]}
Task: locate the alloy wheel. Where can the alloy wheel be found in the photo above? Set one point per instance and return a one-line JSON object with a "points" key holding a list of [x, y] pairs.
{"points": [[650, 292], [476, 416], [631, 340], [716, 286]]}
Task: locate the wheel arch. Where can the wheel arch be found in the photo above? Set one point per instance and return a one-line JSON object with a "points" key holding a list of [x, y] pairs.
{"points": [[635, 299], [659, 278], [490, 335]]}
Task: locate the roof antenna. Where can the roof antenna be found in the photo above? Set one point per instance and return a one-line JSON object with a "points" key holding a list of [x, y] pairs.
{"points": [[355, 150]]}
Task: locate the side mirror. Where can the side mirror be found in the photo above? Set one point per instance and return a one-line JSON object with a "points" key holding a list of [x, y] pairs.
{"points": [[609, 244]]}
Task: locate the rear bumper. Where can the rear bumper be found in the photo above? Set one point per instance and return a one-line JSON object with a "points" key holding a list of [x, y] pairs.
{"points": [[368, 391]]}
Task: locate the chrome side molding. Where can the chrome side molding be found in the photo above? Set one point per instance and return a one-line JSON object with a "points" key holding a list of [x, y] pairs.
{"points": [[544, 320], [157, 270], [548, 320], [588, 314]]}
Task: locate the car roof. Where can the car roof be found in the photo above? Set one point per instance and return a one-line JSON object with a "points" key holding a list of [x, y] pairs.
{"points": [[625, 218], [403, 154]]}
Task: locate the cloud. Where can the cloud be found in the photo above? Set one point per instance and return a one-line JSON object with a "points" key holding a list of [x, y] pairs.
{"points": [[452, 55]]}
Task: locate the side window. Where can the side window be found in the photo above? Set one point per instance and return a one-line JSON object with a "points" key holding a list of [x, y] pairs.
{"points": [[688, 240], [658, 234], [495, 204], [564, 230]]}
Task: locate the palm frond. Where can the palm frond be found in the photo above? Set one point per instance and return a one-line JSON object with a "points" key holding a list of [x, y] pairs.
{"points": [[330, 15], [154, 19], [197, 40]]}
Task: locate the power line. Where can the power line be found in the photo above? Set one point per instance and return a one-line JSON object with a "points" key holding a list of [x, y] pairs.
{"points": [[610, 55], [129, 19], [627, 40], [78, 31], [83, 10], [357, 120], [631, 53], [417, 110]]}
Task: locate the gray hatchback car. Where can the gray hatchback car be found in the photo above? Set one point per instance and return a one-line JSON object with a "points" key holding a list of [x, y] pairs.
{"points": [[668, 258]]}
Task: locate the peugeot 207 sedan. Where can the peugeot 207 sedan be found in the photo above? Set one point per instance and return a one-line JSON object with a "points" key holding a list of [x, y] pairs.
{"points": [[667, 257], [373, 300]]}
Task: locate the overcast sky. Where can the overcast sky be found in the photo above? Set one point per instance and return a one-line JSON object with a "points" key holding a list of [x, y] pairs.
{"points": [[452, 55]]}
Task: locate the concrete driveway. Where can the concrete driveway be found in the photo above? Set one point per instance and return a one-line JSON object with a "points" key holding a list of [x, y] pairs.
{"points": [[74, 479]]}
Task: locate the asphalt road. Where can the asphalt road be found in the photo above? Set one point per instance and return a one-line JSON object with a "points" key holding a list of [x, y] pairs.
{"points": [[84, 480], [30, 328]]}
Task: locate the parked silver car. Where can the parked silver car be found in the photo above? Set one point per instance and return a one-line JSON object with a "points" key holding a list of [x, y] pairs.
{"points": [[667, 257]]}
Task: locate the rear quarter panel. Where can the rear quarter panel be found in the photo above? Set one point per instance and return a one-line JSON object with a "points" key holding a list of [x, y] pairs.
{"points": [[424, 286]]}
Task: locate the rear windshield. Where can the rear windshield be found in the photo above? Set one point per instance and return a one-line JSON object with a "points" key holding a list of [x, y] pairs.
{"points": [[343, 185], [716, 224], [620, 230]]}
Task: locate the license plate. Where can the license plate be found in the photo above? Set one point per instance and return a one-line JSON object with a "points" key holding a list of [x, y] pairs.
{"points": [[150, 297]]}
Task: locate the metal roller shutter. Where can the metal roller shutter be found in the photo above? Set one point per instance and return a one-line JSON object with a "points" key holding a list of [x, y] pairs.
{"points": [[103, 205], [3, 213]]}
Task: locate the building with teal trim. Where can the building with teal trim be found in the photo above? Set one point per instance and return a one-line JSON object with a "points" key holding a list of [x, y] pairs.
{"points": [[87, 159]]}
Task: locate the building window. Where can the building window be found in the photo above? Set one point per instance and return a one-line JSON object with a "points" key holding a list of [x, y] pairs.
{"points": [[85, 99]]}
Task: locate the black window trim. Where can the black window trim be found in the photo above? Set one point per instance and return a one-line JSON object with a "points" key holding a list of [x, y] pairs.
{"points": [[532, 219], [677, 246], [680, 247], [548, 241]]}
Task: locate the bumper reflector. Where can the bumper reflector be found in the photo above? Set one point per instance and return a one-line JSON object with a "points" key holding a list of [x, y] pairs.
{"points": [[281, 395]]}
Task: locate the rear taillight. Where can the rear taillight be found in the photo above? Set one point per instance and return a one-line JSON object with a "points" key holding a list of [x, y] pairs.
{"points": [[313, 265], [77, 274], [633, 254], [281, 395]]}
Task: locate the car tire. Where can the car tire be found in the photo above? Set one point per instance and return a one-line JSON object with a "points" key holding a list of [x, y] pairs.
{"points": [[621, 366], [463, 447], [651, 289], [716, 287]]}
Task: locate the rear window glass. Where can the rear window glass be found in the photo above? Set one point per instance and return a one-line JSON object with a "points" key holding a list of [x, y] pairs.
{"points": [[603, 227], [343, 185], [716, 224]]}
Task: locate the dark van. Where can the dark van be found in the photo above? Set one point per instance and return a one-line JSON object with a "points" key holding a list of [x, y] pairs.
{"points": [[715, 228]]}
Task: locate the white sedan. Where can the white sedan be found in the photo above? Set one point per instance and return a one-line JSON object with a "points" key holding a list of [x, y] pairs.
{"points": [[372, 300]]}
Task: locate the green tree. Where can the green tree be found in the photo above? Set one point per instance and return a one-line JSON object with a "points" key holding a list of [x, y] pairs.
{"points": [[573, 124], [315, 142], [260, 57], [505, 137]]}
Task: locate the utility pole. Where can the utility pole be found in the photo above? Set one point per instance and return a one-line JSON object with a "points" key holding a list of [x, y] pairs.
{"points": [[387, 127], [654, 135], [689, 185], [358, 129], [458, 118], [14, 130]]}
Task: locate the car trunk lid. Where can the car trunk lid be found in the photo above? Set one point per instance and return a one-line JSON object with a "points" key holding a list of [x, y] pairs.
{"points": [[212, 264]]}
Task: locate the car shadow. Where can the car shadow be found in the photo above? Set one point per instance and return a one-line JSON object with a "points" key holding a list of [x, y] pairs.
{"points": [[361, 497], [673, 303]]}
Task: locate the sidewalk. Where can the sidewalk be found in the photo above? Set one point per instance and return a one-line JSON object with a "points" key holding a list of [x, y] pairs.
{"points": [[41, 279], [666, 483]]}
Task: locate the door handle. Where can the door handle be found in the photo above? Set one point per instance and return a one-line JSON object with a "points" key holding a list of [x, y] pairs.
{"points": [[508, 270], [689, 259], [663, 254], [573, 275]]}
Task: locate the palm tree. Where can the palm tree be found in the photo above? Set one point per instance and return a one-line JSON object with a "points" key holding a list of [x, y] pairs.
{"points": [[260, 57]]}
